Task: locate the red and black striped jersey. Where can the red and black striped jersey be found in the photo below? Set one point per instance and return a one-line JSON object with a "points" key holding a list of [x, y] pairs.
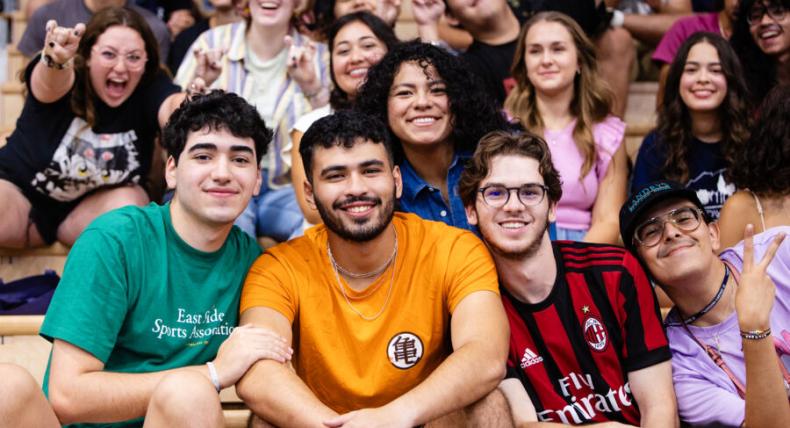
{"points": [[573, 351]]}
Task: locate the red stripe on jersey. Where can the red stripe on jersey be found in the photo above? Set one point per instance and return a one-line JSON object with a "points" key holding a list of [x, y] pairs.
{"points": [[557, 341], [520, 340], [582, 265], [583, 257], [591, 249], [651, 318], [606, 359]]}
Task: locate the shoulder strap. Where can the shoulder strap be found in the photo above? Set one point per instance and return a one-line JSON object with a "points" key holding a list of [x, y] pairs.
{"points": [[759, 209]]}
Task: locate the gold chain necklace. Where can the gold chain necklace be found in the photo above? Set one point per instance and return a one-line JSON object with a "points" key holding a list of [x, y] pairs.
{"points": [[335, 266]]}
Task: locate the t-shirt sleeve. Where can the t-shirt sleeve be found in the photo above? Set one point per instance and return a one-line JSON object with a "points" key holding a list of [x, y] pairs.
{"points": [[700, 401], [472, 270], [92, 299], [645, 341], [270, 283], [608, 137], [649, 162], [669, 44]]}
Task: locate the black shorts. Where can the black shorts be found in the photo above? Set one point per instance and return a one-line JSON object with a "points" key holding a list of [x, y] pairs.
{"points": [[46, 213]]}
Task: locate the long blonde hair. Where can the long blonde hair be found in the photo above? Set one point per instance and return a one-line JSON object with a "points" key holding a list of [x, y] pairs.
{"points": [[592, 98]]}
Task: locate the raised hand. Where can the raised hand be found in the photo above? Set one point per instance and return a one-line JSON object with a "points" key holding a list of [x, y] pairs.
{"points": [[209, 64], [61, 43], [246, 346], [388, 10], [300, 65], [754, 297], [427, 12]]}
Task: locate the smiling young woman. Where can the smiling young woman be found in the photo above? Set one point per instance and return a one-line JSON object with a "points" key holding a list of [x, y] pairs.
{"points": [[84, 142], [560, 95], [436, 112], [703, 123]]}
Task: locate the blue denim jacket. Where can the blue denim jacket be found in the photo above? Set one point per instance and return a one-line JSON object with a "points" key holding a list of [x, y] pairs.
{"points": [[426, 201]]}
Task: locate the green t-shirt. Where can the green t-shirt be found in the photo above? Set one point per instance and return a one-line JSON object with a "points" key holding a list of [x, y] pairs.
{"points": [[140, 299]]}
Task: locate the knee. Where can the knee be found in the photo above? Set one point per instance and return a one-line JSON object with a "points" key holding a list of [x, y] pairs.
{"points": [[616, 44], [18, 387], [128, 195], [181, 393]]}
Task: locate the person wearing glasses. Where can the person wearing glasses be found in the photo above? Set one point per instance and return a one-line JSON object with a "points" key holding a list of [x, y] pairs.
{"points": [[84, 141], [586, 341], [761, 37], [729, 331]]}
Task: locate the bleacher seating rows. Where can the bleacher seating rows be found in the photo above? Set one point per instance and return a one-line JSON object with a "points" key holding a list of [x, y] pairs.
{"points": [[19, 342]]}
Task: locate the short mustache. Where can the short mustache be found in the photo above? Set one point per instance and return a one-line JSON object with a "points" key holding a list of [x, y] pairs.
{"points": [[350, 200]]}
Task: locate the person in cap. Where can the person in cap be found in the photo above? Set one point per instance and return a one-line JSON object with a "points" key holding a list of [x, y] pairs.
{"points": [[586, 342], [729, 331]]}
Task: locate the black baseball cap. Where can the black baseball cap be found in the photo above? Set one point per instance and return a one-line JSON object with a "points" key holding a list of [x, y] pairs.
{"points": [[645, 198]]}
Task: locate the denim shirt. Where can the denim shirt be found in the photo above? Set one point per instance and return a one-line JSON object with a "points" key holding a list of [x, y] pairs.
{"points": [[426, 201]]}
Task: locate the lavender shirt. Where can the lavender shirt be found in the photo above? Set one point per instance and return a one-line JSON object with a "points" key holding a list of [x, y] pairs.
{"points": [[706, 396]]}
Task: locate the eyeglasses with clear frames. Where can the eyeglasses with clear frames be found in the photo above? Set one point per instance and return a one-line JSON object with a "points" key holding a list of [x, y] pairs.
{"points": [[497, 196], [649, 233], [109, 57], [774, 9]]}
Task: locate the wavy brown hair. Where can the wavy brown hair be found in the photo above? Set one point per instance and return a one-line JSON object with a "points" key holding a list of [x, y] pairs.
{"points": [[592, 98], [765, 167], [83, 94], [508, 143], [674, 120]]}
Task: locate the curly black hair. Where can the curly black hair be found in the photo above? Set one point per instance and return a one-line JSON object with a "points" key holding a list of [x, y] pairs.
{"points": [[674, 121], [339, 99], [216, 110], [765, 167], [474, 113], [760, 69], [343, 129]]}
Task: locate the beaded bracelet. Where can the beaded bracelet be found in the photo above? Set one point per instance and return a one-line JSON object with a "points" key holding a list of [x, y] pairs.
{"points": [[756, 334]]}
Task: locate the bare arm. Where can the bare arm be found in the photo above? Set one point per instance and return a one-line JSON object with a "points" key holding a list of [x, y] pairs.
{"points": [[168, 106], [650, 28], [662, 84], [298, 178], [480, 335], [652, 388], [81, 391], [738, 211], [50, 83], [766, 398], [272, 389], [605, 225]]}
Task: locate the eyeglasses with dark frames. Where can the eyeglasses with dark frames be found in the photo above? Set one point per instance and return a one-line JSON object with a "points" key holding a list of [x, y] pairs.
{"points": [[774, 9], [529, 194], [649, 233]]}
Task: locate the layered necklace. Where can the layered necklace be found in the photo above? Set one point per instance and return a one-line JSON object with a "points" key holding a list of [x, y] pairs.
{"points": [[375, 272]]}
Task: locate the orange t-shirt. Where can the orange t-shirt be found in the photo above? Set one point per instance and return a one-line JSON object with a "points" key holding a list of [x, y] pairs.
{"points": [[349, 362]]}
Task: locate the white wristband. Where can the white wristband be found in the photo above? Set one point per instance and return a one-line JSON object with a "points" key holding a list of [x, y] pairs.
{"points": [[212, 372], [618, 18]]}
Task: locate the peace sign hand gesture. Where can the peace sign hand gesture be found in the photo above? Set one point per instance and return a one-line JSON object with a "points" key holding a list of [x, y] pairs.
{"points": [[754, 297], [60, 43]]}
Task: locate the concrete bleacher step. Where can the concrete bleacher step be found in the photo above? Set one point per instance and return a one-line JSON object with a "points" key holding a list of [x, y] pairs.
{"points": [[640, 115]]}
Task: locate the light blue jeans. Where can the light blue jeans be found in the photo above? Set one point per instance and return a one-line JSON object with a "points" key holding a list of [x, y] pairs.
{"points": [[273, 213], [564, 234]]}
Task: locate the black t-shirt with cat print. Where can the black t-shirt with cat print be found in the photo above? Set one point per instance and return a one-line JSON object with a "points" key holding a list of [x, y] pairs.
{"points": [[55, 154]]}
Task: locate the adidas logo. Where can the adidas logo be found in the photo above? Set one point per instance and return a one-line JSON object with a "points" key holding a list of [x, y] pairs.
{"points": [[530, 358]]}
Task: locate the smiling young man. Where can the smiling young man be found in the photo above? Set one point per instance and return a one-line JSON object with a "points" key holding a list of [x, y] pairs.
{"points": [[720, 330], [149, 296], [586, 341], [395, 320]]}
